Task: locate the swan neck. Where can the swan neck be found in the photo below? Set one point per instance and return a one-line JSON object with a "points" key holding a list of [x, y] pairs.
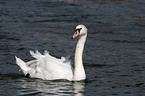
{"points": [[79, 72]]}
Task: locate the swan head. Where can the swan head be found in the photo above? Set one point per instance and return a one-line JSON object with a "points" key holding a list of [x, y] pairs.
{"points": [[80, 30]]}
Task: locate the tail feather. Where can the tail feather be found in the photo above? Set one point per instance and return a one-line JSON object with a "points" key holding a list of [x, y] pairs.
{"points": [[22, 65]]}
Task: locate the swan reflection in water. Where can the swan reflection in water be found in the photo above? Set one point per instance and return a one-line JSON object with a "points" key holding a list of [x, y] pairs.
{"points": [[40, 87]]}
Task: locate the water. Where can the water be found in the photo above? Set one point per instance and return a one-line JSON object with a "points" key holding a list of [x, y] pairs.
{"points": [[114, 52]]}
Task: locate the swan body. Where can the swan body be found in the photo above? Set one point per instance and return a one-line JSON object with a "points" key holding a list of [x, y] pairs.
{"points": [[48, 67]]}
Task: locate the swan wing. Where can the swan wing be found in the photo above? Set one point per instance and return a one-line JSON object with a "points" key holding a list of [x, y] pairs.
{"points": [[47, 67]]}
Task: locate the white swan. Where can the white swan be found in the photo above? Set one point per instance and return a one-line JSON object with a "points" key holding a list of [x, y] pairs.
{"points": [[50, 68]]}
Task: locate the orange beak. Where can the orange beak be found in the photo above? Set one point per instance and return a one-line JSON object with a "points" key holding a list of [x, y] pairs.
{"points": [[76, 34]]}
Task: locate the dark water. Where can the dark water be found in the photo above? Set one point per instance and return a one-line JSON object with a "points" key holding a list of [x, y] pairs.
{"points": [[114, 55]]}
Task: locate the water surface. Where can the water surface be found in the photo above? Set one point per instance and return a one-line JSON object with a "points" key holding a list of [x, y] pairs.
{"points": [[114, 52]]}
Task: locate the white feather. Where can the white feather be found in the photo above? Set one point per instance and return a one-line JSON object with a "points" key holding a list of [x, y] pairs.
{"points": [[22, 65]]}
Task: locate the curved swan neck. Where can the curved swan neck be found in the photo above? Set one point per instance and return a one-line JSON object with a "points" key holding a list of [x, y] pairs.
{"points": [[79, 72]]}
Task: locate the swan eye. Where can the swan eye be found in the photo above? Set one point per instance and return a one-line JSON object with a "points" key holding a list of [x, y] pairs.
{"points": [[78, 30]]}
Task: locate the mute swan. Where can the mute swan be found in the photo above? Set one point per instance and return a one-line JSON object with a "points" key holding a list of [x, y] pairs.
{"points": [[48, 67]]}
